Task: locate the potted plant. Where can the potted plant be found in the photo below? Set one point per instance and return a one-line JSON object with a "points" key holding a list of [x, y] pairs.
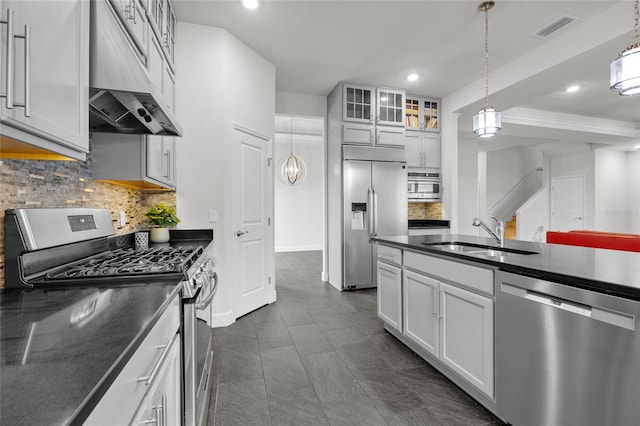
{"points": [[161, 216]]}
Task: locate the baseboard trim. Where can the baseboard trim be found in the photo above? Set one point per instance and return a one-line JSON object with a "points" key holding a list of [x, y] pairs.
{"points": [[284, 249], [222, 319]]}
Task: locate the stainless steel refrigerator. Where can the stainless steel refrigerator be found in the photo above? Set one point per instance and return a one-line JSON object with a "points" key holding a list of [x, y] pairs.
{"points": [[374, 203]]}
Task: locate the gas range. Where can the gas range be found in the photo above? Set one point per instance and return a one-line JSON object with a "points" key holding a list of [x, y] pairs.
{"points": [[59, 247]]}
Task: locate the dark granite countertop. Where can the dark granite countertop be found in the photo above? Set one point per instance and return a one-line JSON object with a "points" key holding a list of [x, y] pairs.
{"points": [[427, 223], [53, 355], [607, 271]]}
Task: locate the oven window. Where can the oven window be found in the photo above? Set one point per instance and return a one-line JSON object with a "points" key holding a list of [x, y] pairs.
{"points": [[428, 188]]}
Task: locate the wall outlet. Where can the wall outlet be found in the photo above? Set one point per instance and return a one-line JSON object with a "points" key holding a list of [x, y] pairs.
{"points": [[123, 219], [213, 215]]}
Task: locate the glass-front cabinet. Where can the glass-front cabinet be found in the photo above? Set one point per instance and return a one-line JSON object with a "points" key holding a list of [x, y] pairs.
{"points": [[358, 103], [422, 114], [390, 109]]}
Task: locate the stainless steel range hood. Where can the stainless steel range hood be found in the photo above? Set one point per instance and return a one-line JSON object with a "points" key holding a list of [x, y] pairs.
{"points": [[122, 98]]}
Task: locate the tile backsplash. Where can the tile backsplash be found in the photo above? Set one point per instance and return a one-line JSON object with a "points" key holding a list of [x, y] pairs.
{"points": [[46, 183], [425, 211]]}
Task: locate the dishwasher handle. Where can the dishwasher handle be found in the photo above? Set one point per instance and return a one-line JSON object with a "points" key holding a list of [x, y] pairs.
{"points": [[618, 319]]}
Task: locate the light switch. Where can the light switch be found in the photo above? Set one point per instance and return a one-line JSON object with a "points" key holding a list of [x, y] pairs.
{"points": [[123, 219], [213, 215]]}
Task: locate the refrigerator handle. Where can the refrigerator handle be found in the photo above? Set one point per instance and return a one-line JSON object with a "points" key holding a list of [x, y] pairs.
{"points": [[370, 211], [375, 212]]}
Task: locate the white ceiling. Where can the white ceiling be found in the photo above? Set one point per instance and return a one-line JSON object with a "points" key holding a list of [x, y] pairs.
{"points": [[315, 44]]}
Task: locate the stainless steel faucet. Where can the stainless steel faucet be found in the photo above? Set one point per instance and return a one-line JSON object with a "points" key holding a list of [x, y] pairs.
{"points": [[499, 229]]}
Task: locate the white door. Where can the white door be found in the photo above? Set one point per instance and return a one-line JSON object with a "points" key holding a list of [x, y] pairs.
{"points": [[251, 204], [567, 203]]}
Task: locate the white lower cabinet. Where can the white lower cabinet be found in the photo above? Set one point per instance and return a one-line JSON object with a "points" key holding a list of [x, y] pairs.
{"points": [[149, 385], [466, 338], [421, 310], [446, 309], [390, 294], [161, 405]]}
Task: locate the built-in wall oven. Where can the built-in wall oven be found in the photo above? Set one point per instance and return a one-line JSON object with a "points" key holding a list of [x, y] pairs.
{"points": [[424, 186], [49, 247]]}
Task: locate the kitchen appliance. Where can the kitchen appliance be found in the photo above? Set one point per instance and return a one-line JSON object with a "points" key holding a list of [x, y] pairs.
{"points": [[54, 247], [565, 355], [122, 98], [424, 186], [374, 203]]}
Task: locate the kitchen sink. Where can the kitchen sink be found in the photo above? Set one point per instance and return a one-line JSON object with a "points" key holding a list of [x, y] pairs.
{"points": [[477, 249]]}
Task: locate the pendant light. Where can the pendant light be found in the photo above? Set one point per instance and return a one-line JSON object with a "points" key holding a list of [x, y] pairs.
{"points": [[487, 121], [292, 169], [625, 71]]}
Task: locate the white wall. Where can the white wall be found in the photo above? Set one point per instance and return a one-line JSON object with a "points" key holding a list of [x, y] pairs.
{"points": [[610, 191], [299, 209], [533, 215], [469, 184], [288, 103], [633, 192], [582, 164], [220, 81]]}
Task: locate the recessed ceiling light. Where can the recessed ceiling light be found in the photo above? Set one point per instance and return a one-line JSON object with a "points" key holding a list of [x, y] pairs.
{"points": [[413, 77], [250, 4], [573, 88]]}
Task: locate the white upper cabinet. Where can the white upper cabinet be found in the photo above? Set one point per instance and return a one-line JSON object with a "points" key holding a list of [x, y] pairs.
{"points": [[163, 24], [358, 103], [422, 114], [423, 149], [390, 107], [45, 99], [133, 14]]}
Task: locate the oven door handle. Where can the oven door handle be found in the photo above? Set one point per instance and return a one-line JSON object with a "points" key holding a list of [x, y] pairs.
{"points": [[206, 302]]}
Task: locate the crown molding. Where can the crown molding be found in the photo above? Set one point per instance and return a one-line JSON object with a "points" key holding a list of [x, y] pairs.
{"points": [[578, 123]]}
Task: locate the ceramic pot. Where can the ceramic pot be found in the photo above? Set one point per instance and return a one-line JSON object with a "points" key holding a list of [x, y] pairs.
{"points": [[159, 235]]}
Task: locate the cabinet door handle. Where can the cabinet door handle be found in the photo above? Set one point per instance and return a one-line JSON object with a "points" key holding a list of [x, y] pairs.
{"points": [[167, 155], [154, 371], [391, 271], [434, 295], [164, 409], [27, 62], [10, 55], [131, 11], [169, 165]]}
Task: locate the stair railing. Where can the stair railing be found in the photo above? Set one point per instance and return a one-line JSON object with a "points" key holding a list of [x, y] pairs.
{"points": [[492, 210]]}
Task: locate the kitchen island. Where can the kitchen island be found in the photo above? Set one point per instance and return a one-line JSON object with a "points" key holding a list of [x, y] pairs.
{"points": [[513, 325]]}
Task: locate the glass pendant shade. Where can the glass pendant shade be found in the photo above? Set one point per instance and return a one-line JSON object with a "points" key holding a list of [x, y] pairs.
{"points": [[625, 72], [487, 122]]}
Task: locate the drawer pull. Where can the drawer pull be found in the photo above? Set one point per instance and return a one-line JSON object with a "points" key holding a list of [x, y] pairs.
{"points": [[154, 371]]}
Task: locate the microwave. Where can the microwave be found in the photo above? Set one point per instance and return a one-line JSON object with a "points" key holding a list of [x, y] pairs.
{"points": [[424, 186]]}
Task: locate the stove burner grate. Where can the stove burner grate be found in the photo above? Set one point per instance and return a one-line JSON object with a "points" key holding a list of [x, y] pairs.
{"points": [[129, 262]]}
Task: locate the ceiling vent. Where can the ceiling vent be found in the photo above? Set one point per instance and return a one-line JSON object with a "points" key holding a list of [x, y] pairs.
{"points": [[554, 26]]}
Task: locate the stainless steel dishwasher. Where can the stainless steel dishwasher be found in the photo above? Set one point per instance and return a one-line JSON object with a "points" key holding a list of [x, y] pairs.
{"points": [[564, 355]]}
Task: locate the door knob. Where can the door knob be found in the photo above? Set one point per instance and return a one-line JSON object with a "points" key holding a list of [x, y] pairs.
{"points": [[241, 233]]}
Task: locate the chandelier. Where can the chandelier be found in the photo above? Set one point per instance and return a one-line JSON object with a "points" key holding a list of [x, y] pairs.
{"points": [[487, 121], [625, 71], [292, 169]]}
